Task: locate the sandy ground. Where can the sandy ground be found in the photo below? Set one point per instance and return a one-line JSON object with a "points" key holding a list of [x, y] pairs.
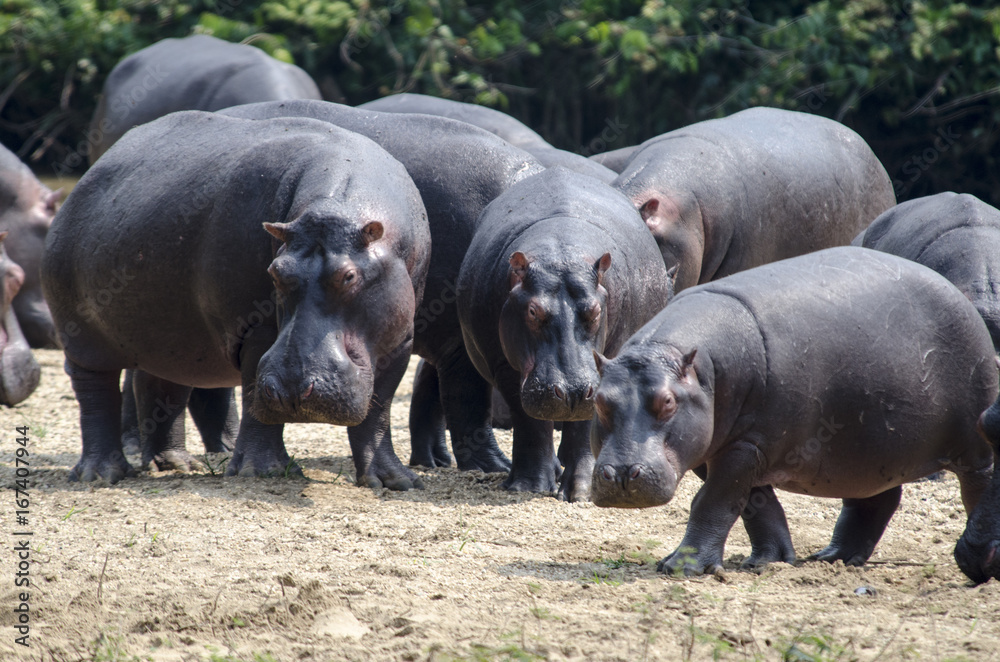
{"points": [[200, 567]]}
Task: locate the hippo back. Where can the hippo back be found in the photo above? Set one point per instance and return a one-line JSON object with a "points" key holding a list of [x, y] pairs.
{"points": [[956, 235], [198, 72]]}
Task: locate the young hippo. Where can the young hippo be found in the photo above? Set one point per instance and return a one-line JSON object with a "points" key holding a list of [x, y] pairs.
{"points": [[844, 373]]}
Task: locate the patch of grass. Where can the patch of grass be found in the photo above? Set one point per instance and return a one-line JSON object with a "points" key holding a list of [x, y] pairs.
{"points": [[290, 467], [218, 469], [131, 541], [509, 652], [543, 614], [257, 657], [597, 578], [644, 554], [238, 622], [613, 564], [110, 648], [72, 511], [811, 648]]}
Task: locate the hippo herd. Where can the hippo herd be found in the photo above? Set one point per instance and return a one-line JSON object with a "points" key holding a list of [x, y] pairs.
{"points": [[741, 298]]}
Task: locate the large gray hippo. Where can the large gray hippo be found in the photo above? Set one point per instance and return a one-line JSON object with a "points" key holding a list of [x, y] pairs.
{"points": [[19, 372], [26, 210], [843, 373], [761, 185], [956, 235], [458, 169], [560, 267], [496, 122], [198, 72], [285, 255]]}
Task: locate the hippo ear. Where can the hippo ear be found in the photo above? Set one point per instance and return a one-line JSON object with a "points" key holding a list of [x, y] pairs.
{"points": [[372, 232], [656, 211], [518, 268], [602, 266], [277, 230], [52, 198], [687, 364], [601, 361]]}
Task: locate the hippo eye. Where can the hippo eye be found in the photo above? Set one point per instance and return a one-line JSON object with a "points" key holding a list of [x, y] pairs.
{"points": [[664, 405], [593, 315], [535, 315]]}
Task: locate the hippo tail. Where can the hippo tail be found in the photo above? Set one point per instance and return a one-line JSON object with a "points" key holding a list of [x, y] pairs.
{"points": [[989, 421]]}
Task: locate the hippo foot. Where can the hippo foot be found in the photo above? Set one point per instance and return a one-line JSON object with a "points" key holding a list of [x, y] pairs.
{"points": [[429, 460], [490, 461], [263, 464], [429, 451], [173, 460], [575, 483], [686, 562], [131, 443], [773, 552], [544, 483], [112, 469], [849, 554], [391, 475]]}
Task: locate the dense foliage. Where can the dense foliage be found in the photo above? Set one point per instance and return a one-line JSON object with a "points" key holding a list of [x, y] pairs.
{"points": [[919, 80]]}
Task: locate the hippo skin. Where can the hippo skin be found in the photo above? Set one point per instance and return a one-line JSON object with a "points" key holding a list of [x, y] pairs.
{"points": [[198, 72], [26, 210], [958, 236], [758, 186], [458, 169], [560, 267], [616, 159], [496, 122], [315, 321], [19, 372], [844, 373]]}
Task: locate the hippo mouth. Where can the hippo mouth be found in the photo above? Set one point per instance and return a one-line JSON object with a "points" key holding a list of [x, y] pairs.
{"points": [[556, 402], [319, 401], [978, 563], [634, 485], [19, 371]]}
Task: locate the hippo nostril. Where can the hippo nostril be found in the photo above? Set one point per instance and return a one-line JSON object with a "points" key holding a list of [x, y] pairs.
{"points": [[634, 471], [308, 391], [590, 393], [559, 393], [608, 472], [269, 390]]}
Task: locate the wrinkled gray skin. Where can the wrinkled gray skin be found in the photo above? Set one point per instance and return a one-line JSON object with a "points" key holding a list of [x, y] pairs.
{"points": [[26, 210], [616, 159], [198, 72], [958, 236], [314, 321], [758, 186], [560, 267], [496, 122], [458, 169], [19, 372], [843, 373]]}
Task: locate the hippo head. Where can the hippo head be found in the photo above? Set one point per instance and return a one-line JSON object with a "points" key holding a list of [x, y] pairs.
{"points": [[653, 420], [27, 208], [554, 319], [345, 302], [19, 372]]}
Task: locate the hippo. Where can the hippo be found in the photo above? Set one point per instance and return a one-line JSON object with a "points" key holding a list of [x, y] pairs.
{"points": [[843, 373], [26, 210], [616, 159], [285, 255], [19, 371], [560, 266], [199, 72], [761, 185], [956, 235], [458, 169], [976, 551], [496, 122]]}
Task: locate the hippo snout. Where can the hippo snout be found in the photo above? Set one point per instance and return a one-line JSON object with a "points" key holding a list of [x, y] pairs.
{"points": [[978, 562], [559, 400], [632, 485]]}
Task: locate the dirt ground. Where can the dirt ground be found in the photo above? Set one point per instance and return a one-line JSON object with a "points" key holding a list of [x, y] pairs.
{"points": [[198, 567]]}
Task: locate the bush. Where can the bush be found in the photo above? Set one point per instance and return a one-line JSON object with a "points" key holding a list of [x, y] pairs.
{"points": [[917, 79]]}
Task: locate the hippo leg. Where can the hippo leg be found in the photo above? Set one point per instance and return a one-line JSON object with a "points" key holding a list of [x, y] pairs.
{"points": [[466, 398], [534, 466], [714, 510], [428, 445], [766, 526], [214, 413], [100, 424], [160, 407], [375, 462], [260, 449], [859, 528], [575, 455], [131, 442]]}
